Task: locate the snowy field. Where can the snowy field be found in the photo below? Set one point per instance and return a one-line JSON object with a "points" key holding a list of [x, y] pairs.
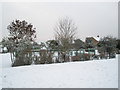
{"points": [[88, 74], [0, 79]]}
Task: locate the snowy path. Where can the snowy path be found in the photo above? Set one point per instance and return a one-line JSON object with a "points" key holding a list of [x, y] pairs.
{"points": [[89, 74]]}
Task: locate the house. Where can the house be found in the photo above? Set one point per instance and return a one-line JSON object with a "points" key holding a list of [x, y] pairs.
{"points": [[83, 54], [78, 44], [3, 49], [91, 42]]}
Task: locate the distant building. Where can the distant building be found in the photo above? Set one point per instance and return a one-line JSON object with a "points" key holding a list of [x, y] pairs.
{"points": [[91, 42], [78, 44]]}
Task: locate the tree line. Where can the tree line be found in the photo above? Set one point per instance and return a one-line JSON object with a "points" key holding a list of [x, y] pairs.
{"points": [[21, 40]]}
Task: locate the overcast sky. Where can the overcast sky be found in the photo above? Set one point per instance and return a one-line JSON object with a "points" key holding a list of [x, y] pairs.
{"points": [[91, 18]]}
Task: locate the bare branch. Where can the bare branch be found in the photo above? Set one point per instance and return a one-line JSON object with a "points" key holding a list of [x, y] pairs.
{"points": [[65, 31]]}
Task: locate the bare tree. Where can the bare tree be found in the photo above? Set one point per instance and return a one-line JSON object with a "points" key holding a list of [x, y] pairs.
{"points": [[65, 31]]}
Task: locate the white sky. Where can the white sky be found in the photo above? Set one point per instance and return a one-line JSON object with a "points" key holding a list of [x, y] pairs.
{"points": [[91, 18]]}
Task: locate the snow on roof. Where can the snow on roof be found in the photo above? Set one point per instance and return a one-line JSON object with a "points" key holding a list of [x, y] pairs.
{"points": [[97, 38], [43, 48]]}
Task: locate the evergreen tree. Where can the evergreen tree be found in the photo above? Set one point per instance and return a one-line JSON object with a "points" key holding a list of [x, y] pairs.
{"points": [[20, 41], [108, 44]]}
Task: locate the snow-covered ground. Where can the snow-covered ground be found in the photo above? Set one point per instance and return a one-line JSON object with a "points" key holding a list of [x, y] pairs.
{"points": [[87, 74], [0, 71]]}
